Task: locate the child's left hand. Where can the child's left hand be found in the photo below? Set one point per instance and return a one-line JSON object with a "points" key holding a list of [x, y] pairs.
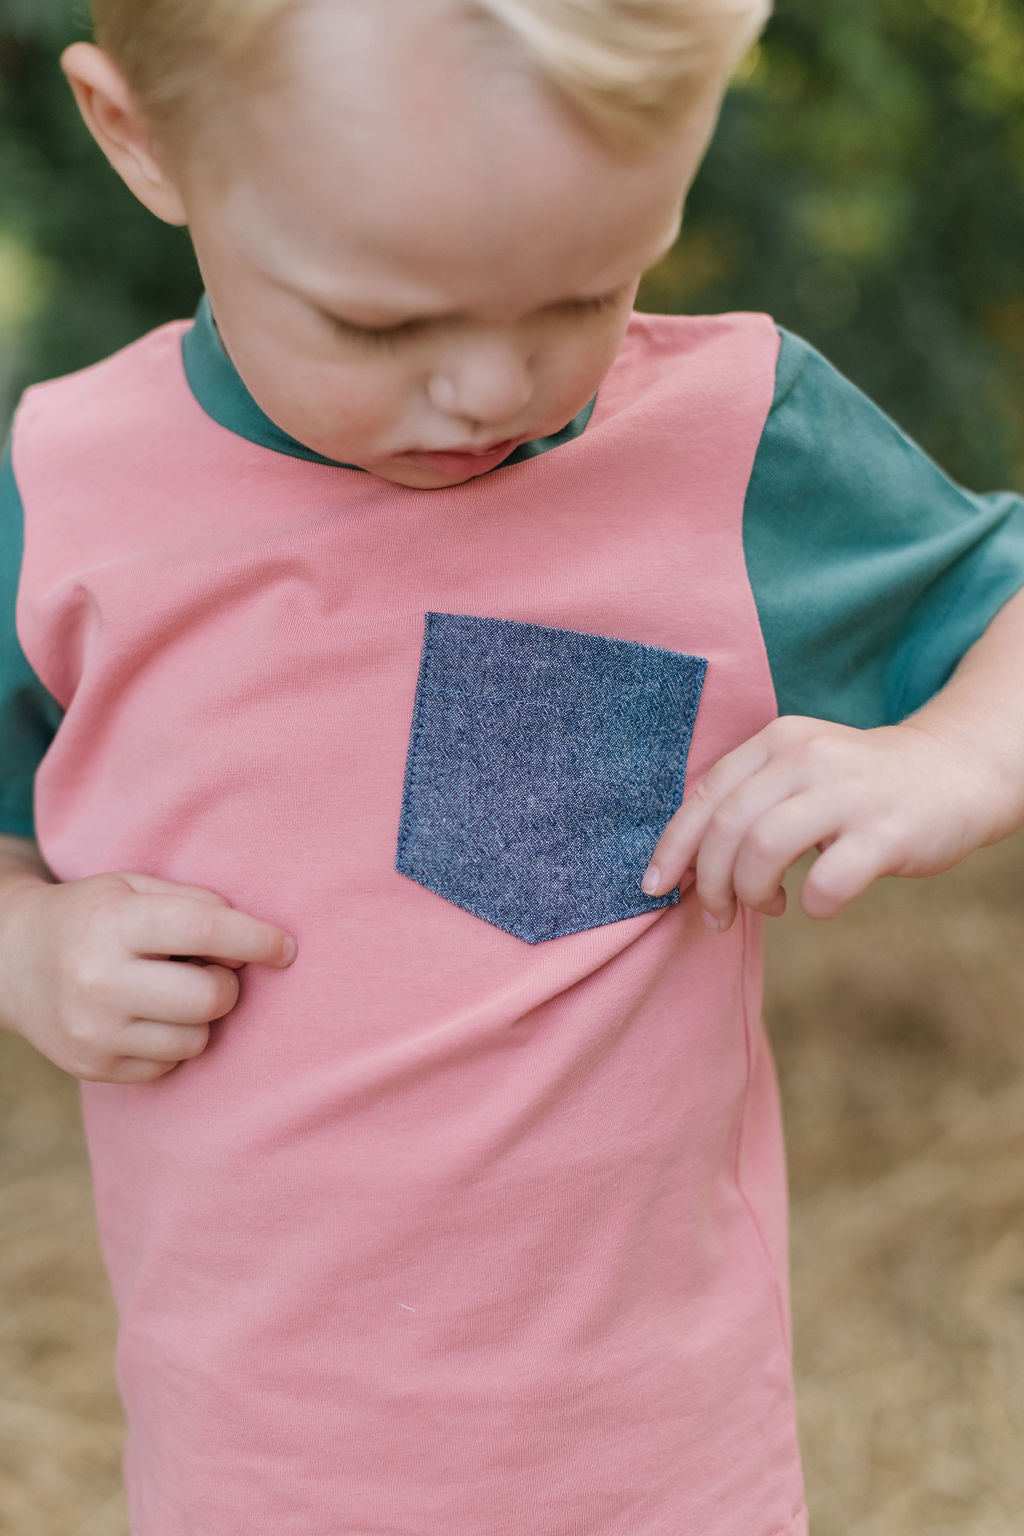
{"points": [[896, 800]]}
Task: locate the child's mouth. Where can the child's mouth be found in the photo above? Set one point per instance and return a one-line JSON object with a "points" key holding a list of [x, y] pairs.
{"points": [[463, 463]]}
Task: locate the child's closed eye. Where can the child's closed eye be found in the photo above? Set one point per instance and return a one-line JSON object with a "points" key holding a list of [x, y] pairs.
{"points": [[393, 335], [376, 336]]}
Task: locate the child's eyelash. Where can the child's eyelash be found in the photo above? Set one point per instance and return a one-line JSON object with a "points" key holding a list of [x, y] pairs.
{"points": [[391, 335], [383, 336], [594, 306]]}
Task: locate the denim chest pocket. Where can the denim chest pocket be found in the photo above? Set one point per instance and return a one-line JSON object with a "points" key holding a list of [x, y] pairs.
{"points": [[543, 766]]}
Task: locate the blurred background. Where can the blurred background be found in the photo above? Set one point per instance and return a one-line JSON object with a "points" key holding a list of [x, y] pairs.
{"points": [[866, 187]]}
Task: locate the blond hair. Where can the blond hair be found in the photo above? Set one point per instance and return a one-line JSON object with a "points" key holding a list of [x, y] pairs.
{"points": [[631, 67]]}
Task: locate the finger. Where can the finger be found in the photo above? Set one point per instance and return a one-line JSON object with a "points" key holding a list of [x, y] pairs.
{"points": [[783, 834], [150, 1040], [152, 885], [732, 824], [845, 870], [172, 993], [677, 847], [777, 906], [165, 925], [131, 1070], [199, 960]]}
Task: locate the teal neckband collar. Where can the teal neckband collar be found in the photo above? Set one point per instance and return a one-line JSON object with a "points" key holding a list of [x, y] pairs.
{"points": [[218, 387]]}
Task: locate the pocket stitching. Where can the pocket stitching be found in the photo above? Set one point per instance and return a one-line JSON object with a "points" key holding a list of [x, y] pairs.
{"points": [[686, 734], [414, 754]]}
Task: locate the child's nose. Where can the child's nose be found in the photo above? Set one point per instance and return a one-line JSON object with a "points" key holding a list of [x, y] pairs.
{"points": [[488, 382]]}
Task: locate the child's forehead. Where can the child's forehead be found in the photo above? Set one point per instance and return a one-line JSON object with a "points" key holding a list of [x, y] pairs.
{"points": [[423, 159]]}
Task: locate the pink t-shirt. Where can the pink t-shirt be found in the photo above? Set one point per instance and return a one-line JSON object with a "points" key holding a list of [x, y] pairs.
{"points": [[453, 1230]]}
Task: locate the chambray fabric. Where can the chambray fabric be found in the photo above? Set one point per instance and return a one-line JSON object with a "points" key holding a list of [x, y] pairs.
{"points": [[543, 766]]}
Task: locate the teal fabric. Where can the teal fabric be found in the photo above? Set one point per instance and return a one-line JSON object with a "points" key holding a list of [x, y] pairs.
{"points": [[219, 389], [872, 571], [29, 714]]}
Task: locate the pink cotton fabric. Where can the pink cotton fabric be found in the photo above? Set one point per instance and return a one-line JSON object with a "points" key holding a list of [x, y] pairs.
{"points": [[445, 1234]]}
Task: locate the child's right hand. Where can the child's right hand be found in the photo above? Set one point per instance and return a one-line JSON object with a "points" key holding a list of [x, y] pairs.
{"points": [[94, 974]]}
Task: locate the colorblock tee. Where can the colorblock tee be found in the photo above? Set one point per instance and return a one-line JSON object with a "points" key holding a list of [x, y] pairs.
{"points": [[474, 1219]]}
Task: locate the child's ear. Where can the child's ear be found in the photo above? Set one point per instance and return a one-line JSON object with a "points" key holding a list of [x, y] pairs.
{"points": [[119, 127]]}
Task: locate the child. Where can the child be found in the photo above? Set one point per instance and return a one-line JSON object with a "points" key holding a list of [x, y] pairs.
{"points": [[385, 608]]}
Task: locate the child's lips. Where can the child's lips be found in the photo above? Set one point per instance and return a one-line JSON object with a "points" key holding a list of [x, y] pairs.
{"points": [[456, 462]]}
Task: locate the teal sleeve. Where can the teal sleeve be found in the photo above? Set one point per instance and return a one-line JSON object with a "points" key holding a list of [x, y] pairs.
{"points": [[29, 714], [872, 571]]}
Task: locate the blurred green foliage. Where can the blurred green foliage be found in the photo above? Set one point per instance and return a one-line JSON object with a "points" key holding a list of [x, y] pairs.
{"points": [[866, 187]]}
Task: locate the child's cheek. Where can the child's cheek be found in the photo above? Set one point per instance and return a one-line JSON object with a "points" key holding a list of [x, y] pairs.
{"points": [[578, 371], [343, 411]]}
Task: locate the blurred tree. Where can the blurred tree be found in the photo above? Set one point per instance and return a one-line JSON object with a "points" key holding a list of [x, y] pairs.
{"points": [[90, 268], [866, 187]]}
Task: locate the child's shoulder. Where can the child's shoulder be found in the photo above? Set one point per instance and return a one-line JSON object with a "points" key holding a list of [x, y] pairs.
{"points": [[675, 332], [662, 344], [695, 361], [122, 388]]}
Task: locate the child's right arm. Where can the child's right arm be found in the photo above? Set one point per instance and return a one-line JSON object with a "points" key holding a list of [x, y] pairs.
{"points": [[94, 973]]}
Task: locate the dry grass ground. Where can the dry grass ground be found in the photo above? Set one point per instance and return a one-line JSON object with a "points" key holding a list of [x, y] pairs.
{"points": [[899, 1031]]}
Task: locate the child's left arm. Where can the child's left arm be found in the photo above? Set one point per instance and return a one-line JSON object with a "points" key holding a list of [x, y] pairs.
{"points": [[907, 799]]}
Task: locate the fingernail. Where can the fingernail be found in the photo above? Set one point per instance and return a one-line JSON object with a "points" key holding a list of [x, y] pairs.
{"points": [[711, 921], [651, 880], [290, 950]]}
